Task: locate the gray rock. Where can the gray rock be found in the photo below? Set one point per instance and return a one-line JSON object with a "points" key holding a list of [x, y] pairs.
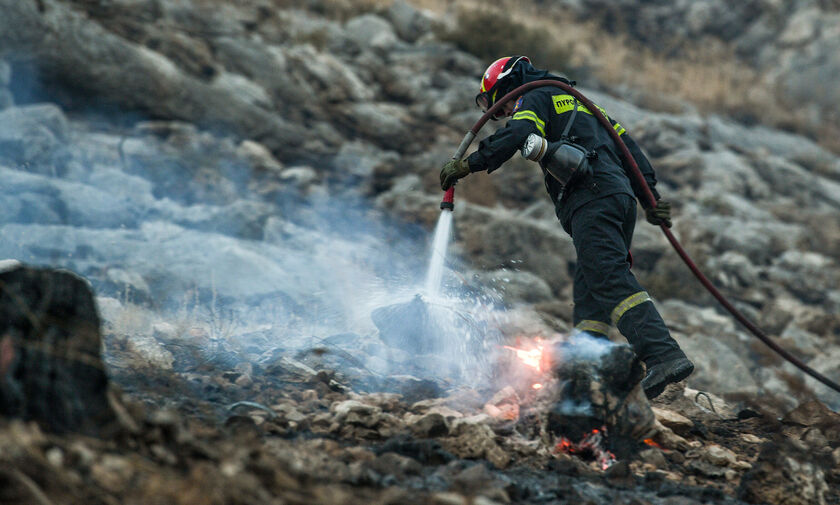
{"points": [[31, 133], [409, 22], [6, 99], [761, 242], [512, 285], [39, 199], [430, 425], [372, 32], [5, 74], [242, 218], [718, 367], [384, 123], [733, 270], [360, 159]]}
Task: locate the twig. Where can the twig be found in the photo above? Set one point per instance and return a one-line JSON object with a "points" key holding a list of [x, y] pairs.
{"points": [[32, 487], [703, 393]]}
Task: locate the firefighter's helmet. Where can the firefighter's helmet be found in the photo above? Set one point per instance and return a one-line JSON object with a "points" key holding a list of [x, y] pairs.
{"points": [[495, 82]]}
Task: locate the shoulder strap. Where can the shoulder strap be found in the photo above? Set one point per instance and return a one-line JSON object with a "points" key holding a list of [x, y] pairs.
{"points": [[568, 127]]}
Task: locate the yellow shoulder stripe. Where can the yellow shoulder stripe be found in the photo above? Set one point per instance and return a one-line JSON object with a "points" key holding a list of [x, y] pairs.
{"points": [[620, 129], [531, 116]]}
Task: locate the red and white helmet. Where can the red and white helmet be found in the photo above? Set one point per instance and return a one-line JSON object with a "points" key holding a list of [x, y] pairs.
{"points": [[493, 81]]}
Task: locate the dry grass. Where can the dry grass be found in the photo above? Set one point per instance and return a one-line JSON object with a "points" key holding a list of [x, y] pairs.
{"points": [[704, 73]]}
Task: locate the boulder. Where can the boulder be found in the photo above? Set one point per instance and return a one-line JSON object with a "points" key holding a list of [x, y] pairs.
{"points": [[371, 32], [32, 133], [51, 370], [516, 286], [409, 22]]}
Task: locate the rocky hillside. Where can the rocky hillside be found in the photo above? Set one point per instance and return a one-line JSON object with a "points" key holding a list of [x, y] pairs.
{"points": [[247, 182], [791, 46]]}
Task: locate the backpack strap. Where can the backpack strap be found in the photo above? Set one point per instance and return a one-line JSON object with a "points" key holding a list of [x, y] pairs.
{"points": [[565, 134]]}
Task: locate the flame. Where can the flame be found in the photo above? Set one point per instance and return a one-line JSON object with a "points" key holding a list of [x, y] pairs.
{"points": [[536, 386], [650, 442], [530, 357], [591, 443]]}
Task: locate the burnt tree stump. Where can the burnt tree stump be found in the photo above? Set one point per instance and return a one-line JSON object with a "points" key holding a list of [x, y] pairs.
{"points": [[598, 386], [51, 368]]}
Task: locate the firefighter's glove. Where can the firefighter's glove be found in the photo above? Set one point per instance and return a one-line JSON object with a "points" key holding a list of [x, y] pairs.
{"points": [[661, 214], [452, 171]]}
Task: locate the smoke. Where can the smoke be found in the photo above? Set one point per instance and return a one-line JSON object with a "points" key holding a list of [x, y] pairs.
{"points": [[185, 235], [581, 345], [573, 407]]}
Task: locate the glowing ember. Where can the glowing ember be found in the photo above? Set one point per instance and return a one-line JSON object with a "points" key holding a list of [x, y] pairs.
{"points": [[537, 386], [651, 443], [531, 357], [591, 443]]}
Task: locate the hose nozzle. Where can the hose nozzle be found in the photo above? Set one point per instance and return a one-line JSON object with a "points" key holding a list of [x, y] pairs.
{"points": [[448, 202]]}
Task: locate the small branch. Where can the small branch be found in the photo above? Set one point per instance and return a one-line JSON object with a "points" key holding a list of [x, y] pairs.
{"points": [[32, 487]]}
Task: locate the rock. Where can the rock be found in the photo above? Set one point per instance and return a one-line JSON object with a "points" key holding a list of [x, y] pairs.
{"points": [[718, 367], [149, 353], [391, 463], [371, 32], [448, 499], [55, 374], [476, 479], [654, 457], [673, 420], [299, 177], [784, 473], [702, 467], [409, 22], [665, 437], [6, 70], [517, 286], [429, 425], [385, 124], [718, 455], [113, 472], [258, 156], [815, 414], [6, 98], [356, 412], [32, 133], [472, 438]]}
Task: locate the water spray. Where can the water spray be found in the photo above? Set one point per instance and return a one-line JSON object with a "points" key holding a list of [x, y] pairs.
{"points": [[637, 174]]}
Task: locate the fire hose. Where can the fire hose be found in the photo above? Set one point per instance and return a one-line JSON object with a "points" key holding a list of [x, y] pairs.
{"points": [[449, 196]]}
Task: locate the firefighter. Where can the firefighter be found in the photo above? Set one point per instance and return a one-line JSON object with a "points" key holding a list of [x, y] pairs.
{"points": [[596, 205]]}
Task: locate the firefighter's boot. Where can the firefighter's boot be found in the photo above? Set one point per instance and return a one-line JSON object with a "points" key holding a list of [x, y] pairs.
{"points": [[667, 372]]}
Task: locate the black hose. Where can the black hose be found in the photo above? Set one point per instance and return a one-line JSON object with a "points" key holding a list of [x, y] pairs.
{"points": [[628, 158]]}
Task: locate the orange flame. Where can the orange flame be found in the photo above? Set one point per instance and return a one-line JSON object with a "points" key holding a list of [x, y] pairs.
{"points": [[592, 442], [530, 357], [651, 443]]}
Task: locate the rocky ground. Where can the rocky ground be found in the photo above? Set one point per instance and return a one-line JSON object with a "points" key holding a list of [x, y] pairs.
{"points": [[243, 186]]}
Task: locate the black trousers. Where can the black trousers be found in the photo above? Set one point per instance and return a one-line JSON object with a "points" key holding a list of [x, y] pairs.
{"points": [[605, 291]]}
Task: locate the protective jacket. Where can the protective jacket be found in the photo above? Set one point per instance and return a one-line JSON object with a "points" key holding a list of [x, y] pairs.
{"points": [[545, 111]]}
